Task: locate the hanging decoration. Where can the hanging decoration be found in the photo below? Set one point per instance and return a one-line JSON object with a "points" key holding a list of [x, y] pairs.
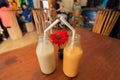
{"points": [[104, 3], [30, 3], [6, 2], [13, 4], [21, 2]]}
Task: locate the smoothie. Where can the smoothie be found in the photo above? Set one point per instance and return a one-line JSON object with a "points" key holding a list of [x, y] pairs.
{"points": [[71, 61], [46, 57]]}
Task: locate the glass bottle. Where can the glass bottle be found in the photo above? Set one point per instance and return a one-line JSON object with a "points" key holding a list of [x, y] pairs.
{"points": [[71, 57], [45, 55]]}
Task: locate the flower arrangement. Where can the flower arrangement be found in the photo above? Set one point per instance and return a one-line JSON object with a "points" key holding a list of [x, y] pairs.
{"points": [[59, 37]]}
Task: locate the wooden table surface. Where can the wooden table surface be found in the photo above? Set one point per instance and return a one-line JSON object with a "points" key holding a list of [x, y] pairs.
{"points": [[100, 61]]}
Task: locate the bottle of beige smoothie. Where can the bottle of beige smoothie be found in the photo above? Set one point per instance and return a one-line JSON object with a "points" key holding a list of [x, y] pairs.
{"points": [[71, 57], [45, 55]]}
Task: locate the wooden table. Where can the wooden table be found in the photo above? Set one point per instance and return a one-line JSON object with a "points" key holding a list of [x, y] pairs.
{"points": [[100, 61]]}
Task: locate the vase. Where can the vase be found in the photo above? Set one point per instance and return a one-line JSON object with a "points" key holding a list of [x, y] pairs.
{"points": [[60, 53]]}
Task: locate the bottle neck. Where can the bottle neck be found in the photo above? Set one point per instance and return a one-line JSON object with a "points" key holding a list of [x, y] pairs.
{"points": [[75, 42], [42, 38]]}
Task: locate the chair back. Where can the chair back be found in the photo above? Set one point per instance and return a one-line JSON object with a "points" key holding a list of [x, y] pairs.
{"points": [[42, 19], [105, 21]]}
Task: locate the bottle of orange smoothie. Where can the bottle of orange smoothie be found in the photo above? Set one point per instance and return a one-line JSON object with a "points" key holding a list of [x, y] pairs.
{"points": [[71, 57]]}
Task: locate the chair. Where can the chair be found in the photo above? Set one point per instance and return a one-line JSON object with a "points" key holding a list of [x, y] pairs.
{"points": [[15, 31], [29, 26], [105, 21], [41, 19]]}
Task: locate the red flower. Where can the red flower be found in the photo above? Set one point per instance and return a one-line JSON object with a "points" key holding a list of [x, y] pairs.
{"points": [[59, 37]]}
